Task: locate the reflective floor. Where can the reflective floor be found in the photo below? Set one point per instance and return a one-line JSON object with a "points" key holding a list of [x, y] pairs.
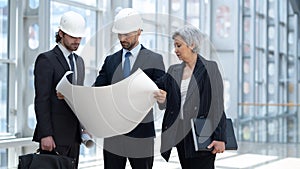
{"points": [[249, 156]]}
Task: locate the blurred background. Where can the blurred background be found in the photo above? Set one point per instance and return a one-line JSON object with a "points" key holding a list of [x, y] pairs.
{"points": [[255, 43]]}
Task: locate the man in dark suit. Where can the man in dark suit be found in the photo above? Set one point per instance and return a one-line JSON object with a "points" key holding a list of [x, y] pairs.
{"points": [[138, 145], [58, 128]]}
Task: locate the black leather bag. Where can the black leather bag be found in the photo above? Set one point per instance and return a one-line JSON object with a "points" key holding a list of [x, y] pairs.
{"points": [[45, 161], [202, 130]]}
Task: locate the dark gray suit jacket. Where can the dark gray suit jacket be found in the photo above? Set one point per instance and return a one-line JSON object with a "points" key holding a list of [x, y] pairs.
{"points": [[204, 98], [54, 117]]}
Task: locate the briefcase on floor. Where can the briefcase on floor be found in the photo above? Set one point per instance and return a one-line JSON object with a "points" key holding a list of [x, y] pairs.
{"points": [[202, 138], [45, 161]]}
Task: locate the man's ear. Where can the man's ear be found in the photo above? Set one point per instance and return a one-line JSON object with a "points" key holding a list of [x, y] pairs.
{"points": [[60, 33]]}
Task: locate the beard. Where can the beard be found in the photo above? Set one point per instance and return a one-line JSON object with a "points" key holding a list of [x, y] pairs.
{"points": [[128, 45], [73, 46]]}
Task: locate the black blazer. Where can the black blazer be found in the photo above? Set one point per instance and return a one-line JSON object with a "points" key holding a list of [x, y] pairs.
{"points": [[54, 117], [204, 98], [111, 72]]}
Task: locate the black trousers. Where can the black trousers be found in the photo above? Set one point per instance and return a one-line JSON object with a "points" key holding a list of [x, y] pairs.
{"points": [[71, 151], [113, 161], [138, 151], [202, 162]]}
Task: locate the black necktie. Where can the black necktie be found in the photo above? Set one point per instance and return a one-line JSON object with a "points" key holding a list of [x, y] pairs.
{"points": [[71, 77], [126, 68]]}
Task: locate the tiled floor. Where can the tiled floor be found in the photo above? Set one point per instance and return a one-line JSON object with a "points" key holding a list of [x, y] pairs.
{"points": [[249, 156]]}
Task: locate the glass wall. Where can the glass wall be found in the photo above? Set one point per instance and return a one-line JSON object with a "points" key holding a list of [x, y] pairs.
{"points": [[268, 102], [268, 57], [4, 65]]}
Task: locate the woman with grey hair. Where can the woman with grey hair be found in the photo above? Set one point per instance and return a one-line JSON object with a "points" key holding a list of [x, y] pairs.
{"points": [[194, 89]]}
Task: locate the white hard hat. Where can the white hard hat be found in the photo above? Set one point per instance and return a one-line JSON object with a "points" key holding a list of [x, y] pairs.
{"points": [[72, 24], [126, 21]]}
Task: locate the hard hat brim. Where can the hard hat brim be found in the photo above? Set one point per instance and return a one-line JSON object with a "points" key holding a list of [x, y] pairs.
{"points": [[115, 30], [75, 35]]}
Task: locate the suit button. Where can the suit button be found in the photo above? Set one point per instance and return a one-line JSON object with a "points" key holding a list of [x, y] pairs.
{"points": [[195, 108], [171, 112], [166, 127]]}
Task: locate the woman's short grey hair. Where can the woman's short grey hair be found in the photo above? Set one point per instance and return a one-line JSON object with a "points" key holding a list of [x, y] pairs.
{"points": [[191, 35]]}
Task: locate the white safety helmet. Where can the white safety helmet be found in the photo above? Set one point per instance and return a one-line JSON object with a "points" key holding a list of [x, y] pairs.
{"points": [[126, 21], [72, 24]]}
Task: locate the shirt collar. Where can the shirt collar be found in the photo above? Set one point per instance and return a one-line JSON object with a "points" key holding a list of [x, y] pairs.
{"points": [[134, 51], [64, 50]]}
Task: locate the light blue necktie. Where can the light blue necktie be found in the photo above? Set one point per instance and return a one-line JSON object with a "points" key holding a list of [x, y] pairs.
{"points": [[126, 68]]}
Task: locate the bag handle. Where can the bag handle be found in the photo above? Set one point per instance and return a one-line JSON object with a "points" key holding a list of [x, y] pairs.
{"points": [[54, 151]]}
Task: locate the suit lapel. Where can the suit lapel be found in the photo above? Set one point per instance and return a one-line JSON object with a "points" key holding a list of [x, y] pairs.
{"points": [[61, 59], [141, 59], [80, 70], [79, 64], [196, 78], [117, 74], [177, 76]]}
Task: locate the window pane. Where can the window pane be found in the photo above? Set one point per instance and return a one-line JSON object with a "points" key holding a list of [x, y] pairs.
{"points": [[193, 12], [87, 48], [291, 41], [272, 134], [260, 6], [33, 34], [33, 4], [3, 97], [260, 31], [261, 129], [3, 29], [292, 130], [3, 158], [246, 133], [177, 8], [145, 6], [283, 38], [31, 121], [87, 2], [223, 23]]}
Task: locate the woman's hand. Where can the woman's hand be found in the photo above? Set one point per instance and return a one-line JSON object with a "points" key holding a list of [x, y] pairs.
{"points": [[160, 96], [218, 147]]}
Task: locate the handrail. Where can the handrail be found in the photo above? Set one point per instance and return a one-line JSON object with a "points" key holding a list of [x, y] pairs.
{"points": [[268, 104], [16, 142]]}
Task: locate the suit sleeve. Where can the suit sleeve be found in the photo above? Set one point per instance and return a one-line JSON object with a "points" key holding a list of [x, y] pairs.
{"points": [[163, 83], [218, 104], [159, 68], [101, 79], [43, 81]]}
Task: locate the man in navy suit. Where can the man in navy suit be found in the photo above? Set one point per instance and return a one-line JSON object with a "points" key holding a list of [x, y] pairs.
{"points": [[57, 128], [138, 145]]}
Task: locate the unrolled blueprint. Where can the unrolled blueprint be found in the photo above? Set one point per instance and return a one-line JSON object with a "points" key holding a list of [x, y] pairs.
{"points": [[110, 110]]}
